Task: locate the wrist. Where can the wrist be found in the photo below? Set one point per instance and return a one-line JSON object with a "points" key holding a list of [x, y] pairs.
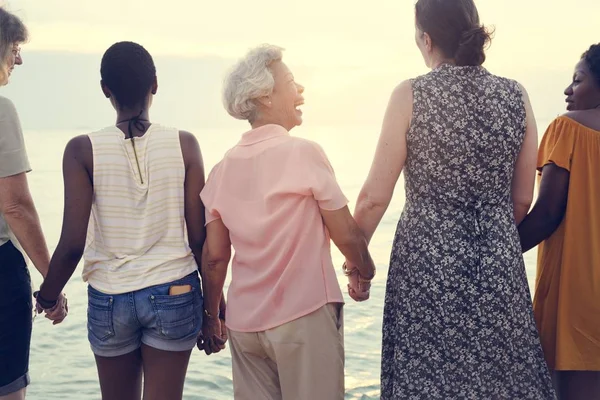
{"points": [[211, 314], [370, 276], [46, 304]]}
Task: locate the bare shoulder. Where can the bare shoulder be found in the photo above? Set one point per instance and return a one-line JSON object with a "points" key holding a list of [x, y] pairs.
{"points": [[188, 140], [524, 93], [80, 149], [587, 118], [190, 149], [79, 145], [187, 137], [403, 91]]}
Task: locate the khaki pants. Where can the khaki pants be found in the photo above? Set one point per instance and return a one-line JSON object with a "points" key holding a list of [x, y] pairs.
{"points": [[300, 360]]}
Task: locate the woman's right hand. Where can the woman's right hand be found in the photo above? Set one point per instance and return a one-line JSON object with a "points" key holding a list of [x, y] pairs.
{"points": [[212, 340], [59, 312], [358, 287]]}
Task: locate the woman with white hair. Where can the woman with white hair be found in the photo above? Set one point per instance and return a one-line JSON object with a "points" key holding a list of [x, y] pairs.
{"points": [[274, 197]]}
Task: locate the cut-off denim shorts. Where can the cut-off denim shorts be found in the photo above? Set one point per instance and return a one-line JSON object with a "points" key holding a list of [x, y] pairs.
{"points": [[119, 324]]}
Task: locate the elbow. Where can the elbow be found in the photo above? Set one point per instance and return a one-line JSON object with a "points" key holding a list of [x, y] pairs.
{"points": [[69, 253], [523, 203], [368, 203], [551, 218], [554, 218], [353, 239], [216, 262], [73, 255], [196, 244], [15, 210]]}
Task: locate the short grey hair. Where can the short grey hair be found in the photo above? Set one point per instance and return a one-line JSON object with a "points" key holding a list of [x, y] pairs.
{"points": [[12, 32], [250, 79]]}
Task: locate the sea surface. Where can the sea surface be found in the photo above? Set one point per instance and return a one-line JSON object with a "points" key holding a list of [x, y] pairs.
{"points": [[62, 364]]}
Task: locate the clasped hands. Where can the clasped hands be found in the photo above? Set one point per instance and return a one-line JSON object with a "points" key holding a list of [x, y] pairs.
{"points": [[358, 286]]}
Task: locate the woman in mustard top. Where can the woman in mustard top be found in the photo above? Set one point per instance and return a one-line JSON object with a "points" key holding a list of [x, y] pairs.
{"points": [[565, 221]]}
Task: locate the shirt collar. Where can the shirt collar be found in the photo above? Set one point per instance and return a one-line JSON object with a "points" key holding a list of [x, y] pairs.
{"points": [[263, 133]]}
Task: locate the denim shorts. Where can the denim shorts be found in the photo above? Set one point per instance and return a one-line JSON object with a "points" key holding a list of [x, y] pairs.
{"points": [[119, 324], [16, 312]]}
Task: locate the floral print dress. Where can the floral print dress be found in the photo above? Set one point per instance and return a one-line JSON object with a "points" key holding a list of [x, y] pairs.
{"points": [[458, 321]]}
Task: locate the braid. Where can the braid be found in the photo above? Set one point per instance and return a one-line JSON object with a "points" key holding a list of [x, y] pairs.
{"points": [[128, 70]]}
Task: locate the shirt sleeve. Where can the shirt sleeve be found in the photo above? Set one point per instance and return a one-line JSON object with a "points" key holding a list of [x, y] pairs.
{"points": [[322, 181], [208, 196], [557, 145], [13, 156]]}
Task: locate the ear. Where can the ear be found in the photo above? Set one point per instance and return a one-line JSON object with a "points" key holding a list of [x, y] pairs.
{"points": [[105, 90], [265, 101], [427, 41], [155, 85]]}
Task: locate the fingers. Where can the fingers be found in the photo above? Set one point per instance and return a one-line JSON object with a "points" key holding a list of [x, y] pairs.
{"points": [[358, 295], [224, 333], [59, 312], [364, 286], [216, 343]]}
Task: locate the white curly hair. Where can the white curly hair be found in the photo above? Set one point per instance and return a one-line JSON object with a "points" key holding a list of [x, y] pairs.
{"points": [[250, 79]]}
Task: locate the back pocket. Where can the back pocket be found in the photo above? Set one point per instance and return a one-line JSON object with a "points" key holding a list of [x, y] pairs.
{"points": [[176, 315], [99, 314]]}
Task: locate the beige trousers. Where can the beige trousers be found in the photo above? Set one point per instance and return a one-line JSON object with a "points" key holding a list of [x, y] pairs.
{"points": [[300, 360]]}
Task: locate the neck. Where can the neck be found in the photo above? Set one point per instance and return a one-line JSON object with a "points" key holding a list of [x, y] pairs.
{"points": [[437, 60], [129, 114], [263, 121]]}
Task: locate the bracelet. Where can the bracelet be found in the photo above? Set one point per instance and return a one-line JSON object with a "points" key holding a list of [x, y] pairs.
{"points": [[46, 304], [348, 272], [209, 315], [351, 272]]}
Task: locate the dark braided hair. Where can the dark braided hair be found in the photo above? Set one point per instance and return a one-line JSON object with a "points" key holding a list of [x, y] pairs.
{"points": [[128, 71], [592, 59]]}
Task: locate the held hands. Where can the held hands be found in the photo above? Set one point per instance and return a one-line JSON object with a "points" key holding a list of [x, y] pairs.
{"points": [[358, 287], [213, 336], [56, 313]]}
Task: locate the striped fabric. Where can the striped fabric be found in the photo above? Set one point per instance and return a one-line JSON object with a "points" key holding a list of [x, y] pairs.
{"points": [[137, 235]]}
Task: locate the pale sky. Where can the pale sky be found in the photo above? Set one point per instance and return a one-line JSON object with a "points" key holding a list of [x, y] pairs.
{"points": [[356, 50]]}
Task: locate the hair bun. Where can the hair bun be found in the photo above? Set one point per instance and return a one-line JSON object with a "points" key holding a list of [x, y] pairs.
{"points": [[471, 48]]}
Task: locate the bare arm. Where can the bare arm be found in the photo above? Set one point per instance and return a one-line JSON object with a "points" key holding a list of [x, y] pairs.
{"points": [[214, 271], [348, 238], [77, 173], [21, 216], [525, 168], [390, 156], [194, 183], [194, 208], [549, 209]]}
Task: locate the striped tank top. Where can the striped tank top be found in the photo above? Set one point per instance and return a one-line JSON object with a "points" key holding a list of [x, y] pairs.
{"points": [[137, 234]]}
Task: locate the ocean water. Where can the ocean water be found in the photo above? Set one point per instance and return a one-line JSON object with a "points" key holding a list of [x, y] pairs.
{"points": [[62, 364]]}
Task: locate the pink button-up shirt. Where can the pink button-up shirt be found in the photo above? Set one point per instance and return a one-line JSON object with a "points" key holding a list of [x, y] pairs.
{"points": [[268, 191]]}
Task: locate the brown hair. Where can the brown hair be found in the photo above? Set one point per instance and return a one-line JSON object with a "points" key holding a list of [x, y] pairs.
{"points": [[454, 28], [12, 31]]}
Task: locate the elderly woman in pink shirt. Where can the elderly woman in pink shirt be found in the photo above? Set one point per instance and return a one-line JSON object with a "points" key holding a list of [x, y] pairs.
{"points": [[274, 197]]}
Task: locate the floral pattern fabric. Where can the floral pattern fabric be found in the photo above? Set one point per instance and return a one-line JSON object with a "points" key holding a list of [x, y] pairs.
{"points": [[458, 320]]}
